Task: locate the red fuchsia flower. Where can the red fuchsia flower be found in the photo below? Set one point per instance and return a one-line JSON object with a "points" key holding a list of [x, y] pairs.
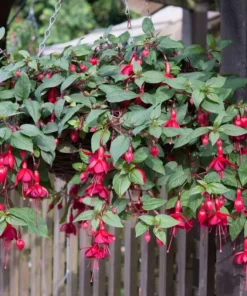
{"points": [[20, 244], [145, 52], [128, 69], [202, 118], [159, 242], [98, 161], [168, 71], [37, 191], [3, 171], [202, 214], [84, 177], [73, 192], [69, 227], [98, 189], [93, 61], [78, 204], [154, 150], [8, 158], [103, 237], [53, 94], [24, 175], [74, 136], [220, 163], [239, 202], [244, 121], [205, 140], [83, 67], [172, 122], [241, 258], [129, 155], [183, 222], [9, 234], [2, 207], [243, 151], [147, 237], [72, 68]]}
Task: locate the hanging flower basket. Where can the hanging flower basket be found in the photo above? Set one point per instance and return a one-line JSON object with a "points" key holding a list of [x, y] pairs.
{"points": [[137, 116]]}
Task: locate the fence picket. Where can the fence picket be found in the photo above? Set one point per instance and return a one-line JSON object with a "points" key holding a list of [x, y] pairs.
{"points": [[99, 283], [58, 249], [203, 262], [47, 244], [130, 260], [181, 262], [147, 287], [114, 282], [85, 288]]}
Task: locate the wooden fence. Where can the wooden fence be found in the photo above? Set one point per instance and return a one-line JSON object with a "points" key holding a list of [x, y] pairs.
{"points": [[56, 267]]}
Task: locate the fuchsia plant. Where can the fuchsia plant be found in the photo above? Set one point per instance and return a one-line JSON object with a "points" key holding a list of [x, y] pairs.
{"points": [[140, 116]]}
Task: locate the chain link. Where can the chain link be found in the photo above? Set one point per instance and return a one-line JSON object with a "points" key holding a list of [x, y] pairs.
{"points": [[129, 24], [53, 19]]}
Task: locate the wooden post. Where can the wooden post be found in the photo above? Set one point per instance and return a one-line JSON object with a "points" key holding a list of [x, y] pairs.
{"points": [[229, 276]]}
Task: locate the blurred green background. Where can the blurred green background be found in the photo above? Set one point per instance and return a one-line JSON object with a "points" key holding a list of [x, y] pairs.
{"points": [[75, 19]]}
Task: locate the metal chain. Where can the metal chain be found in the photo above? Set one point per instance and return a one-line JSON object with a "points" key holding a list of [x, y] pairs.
{"points": [[31, 15], [147, 8], [53, 19], [129, 24]]}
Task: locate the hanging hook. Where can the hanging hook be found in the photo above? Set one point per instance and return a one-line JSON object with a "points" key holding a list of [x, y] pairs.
{"points": [[129, 24]]}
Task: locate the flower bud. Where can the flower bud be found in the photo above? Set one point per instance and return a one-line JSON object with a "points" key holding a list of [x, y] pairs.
{"points": [[154, 150], [20, 244], [147, 237], [74, 136]]}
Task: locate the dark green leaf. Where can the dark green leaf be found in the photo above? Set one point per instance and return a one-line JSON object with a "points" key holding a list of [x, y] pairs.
{"points": [[118, 147], [112, 219], [153, 203], [19, 141], [140, 228], [121, 183], [22, 87], [33, 108], [165, 221], [147, 219], [87, 215]]}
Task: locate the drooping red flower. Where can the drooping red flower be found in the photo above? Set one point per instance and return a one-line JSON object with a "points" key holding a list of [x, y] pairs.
{"points": [[9, 234], [98, 189], [103, 237], [3, 171], [172, 122], [154, 150], [8, 158], [20, 244], [239, 202], [69, 227], [53, 94], [183, 222], [220, 163], [127, 70], [36, 190], [129, 155], [241, 258], [98, 161], [24, 175]]}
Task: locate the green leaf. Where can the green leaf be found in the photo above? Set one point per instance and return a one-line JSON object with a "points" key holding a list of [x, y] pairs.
{"points": [[236, 227], [46, 143], [67, 117], [48, 157], [108, 70], [33, 108], [153, 203], [3, 225], [216, 188], [198, 96], [120, 204], [2, 32], [147, 26], [19, 141], [50, 128], [153, 76], [135, 176], [232, 130], [141, 154], [165, 221], [54, 81], [147, 219], [15, 221], [121, 183], [160, 234], [22, 87], [93, 115], [6, 94], [118, 147], [68, 81], [140, 228], [59, 108], [214, 136], [29, 130], [8, 109], [242, 173], [166, 42], [245, 229], [87, 215], [176, 179], [101, 135], [29, 216], [75, 179], [155, 164], [112, 219], [216, 82]]}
